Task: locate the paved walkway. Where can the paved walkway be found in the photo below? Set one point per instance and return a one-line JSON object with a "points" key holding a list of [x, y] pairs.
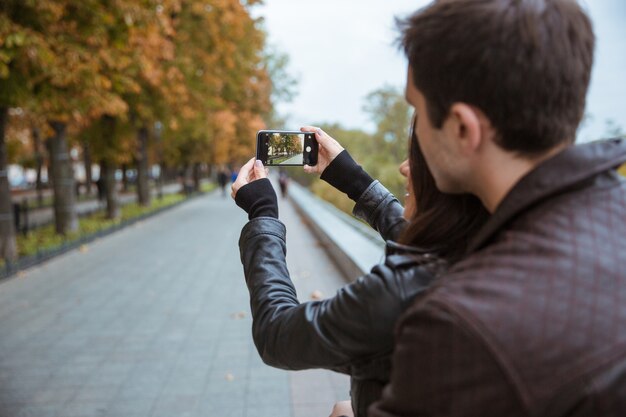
{"points": [[154, 321]]}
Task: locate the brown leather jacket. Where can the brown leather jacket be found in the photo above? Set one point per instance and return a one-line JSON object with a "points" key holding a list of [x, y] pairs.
{"points": [[533, 321]]}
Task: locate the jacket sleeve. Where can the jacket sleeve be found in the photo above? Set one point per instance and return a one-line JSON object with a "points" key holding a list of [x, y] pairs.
{"points": [[442, 368], [354, 324], [381, 210], [374, 203]]}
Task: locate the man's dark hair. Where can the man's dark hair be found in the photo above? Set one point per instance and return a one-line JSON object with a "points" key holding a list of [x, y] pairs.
{"points": [[525, 63]]}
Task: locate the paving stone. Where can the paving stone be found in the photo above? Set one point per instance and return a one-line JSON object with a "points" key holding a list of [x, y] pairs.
{"points": [[35, 410], [133, 407], [154, 320], [270, 411]]}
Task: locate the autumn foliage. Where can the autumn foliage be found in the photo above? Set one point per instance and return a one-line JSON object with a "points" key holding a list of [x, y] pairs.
{"points": [[169, 82]]}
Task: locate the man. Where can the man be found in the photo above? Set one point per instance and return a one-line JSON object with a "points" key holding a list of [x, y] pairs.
{"points": [[533, 321], [222, 179]]}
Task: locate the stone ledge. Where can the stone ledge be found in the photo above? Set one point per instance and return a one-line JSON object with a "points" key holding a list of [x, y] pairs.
{"points": [[352, 245]]}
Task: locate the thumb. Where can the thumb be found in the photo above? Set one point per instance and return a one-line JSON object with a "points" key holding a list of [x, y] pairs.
{"points": [[320, 135], [259, 170]]}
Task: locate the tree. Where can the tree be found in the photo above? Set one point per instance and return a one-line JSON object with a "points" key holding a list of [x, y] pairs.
{"points": [[613, 130], [8, 246], [15, 43], [108, 67], [392, 115], [54, 64], [218, 49], [283, 85], [389, 147], [161, 84]]}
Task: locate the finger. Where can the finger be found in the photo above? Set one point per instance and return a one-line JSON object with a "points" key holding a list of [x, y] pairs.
{"points": [[326, 142], [404, 168], [259, 170], [313, 170], [320, 135], [243, 176], [244, 171], [310, 129]]}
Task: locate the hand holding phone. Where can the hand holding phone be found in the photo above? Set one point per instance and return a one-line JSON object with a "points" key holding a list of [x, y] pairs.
{"points": [[251, 171], [286, 148], [328, 149]]}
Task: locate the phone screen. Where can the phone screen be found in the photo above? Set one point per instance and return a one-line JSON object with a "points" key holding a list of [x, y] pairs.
{"points": [[286, 148]]}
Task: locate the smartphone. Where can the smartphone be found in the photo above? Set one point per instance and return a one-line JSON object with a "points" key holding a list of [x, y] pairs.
{"points": [[286, 148]]}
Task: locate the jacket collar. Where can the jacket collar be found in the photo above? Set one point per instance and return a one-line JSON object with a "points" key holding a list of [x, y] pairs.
{"points": [[566, 170]]}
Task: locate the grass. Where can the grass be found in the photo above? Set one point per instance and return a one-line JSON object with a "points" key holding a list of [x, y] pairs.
{"points": [[279, 160], [206, 187]]}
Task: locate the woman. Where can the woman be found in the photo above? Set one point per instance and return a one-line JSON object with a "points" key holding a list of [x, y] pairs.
{"points": [[351, 332]]}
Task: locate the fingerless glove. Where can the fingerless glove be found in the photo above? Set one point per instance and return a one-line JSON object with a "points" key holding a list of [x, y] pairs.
{"points": [[347, 176], [258, 199]]}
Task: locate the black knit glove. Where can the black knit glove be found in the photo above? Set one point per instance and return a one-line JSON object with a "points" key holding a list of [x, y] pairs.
{"points": [[258, 199], [347, 176]]}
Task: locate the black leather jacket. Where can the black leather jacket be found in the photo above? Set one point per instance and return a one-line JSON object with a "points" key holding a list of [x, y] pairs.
{"points": [[351, 332]]}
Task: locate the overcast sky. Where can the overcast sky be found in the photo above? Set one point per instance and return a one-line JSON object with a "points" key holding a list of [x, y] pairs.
{"points": [[341, 50]]}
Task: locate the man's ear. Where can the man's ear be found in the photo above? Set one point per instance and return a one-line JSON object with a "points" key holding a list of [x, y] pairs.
{"points": [[465, 125]]}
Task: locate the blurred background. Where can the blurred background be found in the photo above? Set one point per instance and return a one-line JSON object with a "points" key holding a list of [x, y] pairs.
{"points": [[112, 109]]}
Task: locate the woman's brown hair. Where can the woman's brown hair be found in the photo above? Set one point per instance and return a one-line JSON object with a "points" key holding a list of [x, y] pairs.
{"points": [[442, 223]]}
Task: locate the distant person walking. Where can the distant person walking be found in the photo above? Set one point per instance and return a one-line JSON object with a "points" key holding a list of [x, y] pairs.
{"points": [[222, 180], [283, 181], [233, 175], [101, 187]]}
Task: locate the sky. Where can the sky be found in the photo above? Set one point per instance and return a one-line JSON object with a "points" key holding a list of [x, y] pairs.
{"points": [[341, 50]]}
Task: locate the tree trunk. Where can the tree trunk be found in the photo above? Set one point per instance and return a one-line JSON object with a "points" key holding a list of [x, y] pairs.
{"points": [[38, 165], [107, 170], [62, 173], [187, 180], [124, 178], [143, 186], [196, 176], [87, 162], [8, 246]]}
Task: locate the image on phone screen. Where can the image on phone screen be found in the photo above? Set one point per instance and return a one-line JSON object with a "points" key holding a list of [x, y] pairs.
{"points": [[285, 149]]}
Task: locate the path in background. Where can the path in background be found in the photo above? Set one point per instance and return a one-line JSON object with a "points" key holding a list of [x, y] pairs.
{"points": [[154, 321]]}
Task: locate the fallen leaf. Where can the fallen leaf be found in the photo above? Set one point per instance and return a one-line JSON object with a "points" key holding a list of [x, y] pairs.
{"points": [[238, 316], [230, 377], [21, 274], [83, 249], [317, 295]]}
